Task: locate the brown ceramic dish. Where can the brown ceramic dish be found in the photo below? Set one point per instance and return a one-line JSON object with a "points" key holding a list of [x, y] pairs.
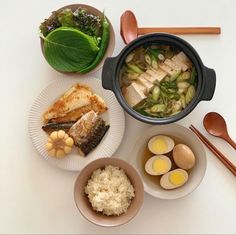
{"points": [[84, 205], [111, 45]]}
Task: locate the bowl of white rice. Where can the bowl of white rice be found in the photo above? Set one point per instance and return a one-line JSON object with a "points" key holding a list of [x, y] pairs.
{"points": [[108, 192]]}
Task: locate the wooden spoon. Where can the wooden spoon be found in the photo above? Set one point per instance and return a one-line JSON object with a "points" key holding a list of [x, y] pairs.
{"points": [[215, 124], [129, 28]]}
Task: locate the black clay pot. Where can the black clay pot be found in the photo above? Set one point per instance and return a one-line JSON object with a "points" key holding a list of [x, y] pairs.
{"points": [[206, 77]]}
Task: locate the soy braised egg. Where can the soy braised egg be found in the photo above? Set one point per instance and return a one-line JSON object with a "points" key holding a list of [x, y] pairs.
{"points": [[158, 165], [183, 156], [174, 179], [161, 144]]}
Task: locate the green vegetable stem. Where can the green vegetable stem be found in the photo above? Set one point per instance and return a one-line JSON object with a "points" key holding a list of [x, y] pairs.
{"points": [[134, 68], [193, 76], [156, 93], [103, 46]]}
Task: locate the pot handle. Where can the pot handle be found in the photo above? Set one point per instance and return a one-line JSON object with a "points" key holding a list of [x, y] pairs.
{"points": [[210, 84], [108, 73]]}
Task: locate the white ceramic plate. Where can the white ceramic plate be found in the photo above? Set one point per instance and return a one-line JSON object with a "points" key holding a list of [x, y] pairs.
{"points": [[114, 117], [185, 136]]}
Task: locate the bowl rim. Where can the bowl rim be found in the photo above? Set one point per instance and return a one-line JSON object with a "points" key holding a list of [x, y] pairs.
{"points": [[110, 46], [172, 126], [116, 162]]}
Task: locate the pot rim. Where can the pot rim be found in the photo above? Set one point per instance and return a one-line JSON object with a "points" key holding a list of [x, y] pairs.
{"points": [[167, 39]]}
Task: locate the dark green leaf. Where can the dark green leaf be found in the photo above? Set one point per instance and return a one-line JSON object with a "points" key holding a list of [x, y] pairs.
{"points": [[103, 46], [69, 50]]}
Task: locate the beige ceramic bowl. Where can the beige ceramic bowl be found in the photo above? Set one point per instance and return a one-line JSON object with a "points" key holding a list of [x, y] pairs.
{"points": [[111, 45], [84, 205], [185, 136]]}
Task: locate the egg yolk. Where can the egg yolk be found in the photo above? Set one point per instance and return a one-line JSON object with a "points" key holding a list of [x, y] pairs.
{"points": [[159, 145], [177, 178], [160, 165]]}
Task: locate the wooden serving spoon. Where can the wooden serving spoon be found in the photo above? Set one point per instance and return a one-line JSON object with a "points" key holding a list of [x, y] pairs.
{"points": [[215, 124], [129, 28]]}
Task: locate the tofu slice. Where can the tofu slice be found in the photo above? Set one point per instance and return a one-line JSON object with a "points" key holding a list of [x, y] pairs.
{"points": [[139, 86], [133, 96], [156, 75], [184, 59], [160, 74], [147, 84], [148, 77], [176, 60], [170, 71], [172, 64], [152, 74]]}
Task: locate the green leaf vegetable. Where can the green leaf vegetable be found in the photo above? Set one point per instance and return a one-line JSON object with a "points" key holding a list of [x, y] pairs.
{"points": [[74, 41], [80, 19], [49, 24], [66, 18], [103, 46], [88, 23], [69, 50]]}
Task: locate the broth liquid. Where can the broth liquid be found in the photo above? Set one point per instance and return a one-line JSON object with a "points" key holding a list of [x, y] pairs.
{"points": [[147, 155]]}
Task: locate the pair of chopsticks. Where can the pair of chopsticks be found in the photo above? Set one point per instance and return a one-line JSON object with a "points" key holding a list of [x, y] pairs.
{"points": [[214, 150]]}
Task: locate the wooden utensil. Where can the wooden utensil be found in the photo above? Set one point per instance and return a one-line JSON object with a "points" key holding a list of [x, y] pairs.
{"points": [[129, 29], [214, 150], [215, 125]]}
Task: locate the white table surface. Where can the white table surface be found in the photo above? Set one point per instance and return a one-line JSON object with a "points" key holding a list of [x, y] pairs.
{"points": [[35, 197]]}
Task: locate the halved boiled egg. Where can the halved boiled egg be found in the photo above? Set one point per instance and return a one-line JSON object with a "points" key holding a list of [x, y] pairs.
{"points": [[174, 179], [161, 144], [158, 165]]}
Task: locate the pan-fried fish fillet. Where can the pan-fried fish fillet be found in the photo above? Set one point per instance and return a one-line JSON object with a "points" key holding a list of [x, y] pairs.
{"points": [[88, 131], [72, 105]]}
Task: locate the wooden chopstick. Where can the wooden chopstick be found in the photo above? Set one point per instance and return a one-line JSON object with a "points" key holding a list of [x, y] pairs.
{"points": [[180, 30], [216, 151]]}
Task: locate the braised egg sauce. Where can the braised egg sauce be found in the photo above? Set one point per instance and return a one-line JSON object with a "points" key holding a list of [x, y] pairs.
{"points": [[147, 154]]}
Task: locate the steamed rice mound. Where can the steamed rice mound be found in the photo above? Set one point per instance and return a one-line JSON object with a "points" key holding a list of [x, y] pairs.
{"points": [[109, 191]]}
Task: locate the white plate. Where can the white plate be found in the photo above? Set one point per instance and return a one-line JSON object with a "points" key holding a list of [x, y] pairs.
{"points": [[114, 117]]}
